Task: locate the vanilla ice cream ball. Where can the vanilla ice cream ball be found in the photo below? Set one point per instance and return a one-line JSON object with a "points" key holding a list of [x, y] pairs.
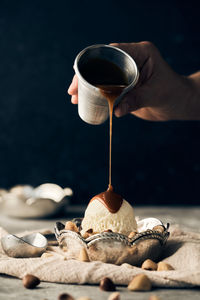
{"points": [[99, 218]]}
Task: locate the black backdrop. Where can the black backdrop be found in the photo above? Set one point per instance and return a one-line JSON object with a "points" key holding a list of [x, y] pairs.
{"points": [[42, 139]]}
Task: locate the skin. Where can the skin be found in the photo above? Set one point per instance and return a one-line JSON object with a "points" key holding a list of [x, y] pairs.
{"points": [[160, 94]]}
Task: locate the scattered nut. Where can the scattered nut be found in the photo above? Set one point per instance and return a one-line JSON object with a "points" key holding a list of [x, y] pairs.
{"points": [[90, 231], [149, 264], [65, 296], [132, 234], [106, 284], [30, 281], [108, 230], [154, 297], [71, 226], [85, 235], [159, 228], [114, 296], [140, 283], [46, 255], [83, 256], [162, 266]]}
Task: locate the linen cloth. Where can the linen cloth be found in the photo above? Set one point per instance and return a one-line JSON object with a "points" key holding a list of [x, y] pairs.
{"points": [[182, 251]]}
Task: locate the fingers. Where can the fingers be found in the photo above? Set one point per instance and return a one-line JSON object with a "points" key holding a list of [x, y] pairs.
{"points": [[131, 102], [73, 88], [74, 99], [139, 51]]}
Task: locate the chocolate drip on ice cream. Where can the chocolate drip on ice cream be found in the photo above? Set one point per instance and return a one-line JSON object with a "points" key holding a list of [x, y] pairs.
{"points": [[110, 200]]}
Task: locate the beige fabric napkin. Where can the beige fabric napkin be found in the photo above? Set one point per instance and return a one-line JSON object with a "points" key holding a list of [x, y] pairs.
{"points": [[182, 251]]}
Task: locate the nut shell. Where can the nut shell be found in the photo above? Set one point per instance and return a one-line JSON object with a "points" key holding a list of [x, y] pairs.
{"points": [[65, 296], [114, 296], [106, 284], [140, 282], [71, 226], [163, 266], [30, 281], [83, 256], [149, 265]]}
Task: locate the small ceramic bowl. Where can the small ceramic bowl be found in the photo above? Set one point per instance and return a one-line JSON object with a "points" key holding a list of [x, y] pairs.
{"points": [[116, 248]]}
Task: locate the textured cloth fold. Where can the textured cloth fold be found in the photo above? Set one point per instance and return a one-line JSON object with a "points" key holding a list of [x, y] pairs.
{"points": [[182, 251]]}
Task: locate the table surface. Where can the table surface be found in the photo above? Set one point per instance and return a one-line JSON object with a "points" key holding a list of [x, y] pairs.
{"points": [[11, 288]]}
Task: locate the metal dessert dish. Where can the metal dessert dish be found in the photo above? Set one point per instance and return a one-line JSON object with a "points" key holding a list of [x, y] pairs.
{"points": [[116, 248], [31, 245], [24, 201]]}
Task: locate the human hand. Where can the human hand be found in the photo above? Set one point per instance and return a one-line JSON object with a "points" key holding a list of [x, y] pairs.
{"points": [[160, 94]]}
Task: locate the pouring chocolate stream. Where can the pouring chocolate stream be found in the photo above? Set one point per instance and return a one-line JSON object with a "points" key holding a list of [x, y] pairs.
{"points": [[111, 80]]}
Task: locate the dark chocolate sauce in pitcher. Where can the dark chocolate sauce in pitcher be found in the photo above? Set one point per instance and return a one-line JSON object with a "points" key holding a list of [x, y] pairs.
{"points": [[111, 81]]}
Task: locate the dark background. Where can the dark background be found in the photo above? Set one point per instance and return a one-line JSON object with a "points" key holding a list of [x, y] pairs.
{"points": [[42, 139]]}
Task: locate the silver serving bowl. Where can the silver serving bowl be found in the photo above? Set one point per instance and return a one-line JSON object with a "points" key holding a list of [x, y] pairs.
{"points": [[116, 248], [24, 201]]}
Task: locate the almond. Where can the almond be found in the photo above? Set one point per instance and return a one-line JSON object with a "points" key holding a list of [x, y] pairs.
{"points": [[114, 296], [140, 283], [149, 264], [71, 226], [83, 256], [163, 266], [159, 228], [46, 255]]}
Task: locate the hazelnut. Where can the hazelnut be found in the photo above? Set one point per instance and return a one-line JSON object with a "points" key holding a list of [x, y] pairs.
{"points": [[108, 230], [30, 281], [140, 283], [106, 284], [71, 226], [159, 228], [90, 231], [149, 264], [114, 296], [154, 297], [162, 266], [83, 256], [65, 296], [132, 234]]}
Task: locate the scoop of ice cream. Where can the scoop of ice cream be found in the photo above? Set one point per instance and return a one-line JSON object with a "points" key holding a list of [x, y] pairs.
{"points": [[99, 218]]}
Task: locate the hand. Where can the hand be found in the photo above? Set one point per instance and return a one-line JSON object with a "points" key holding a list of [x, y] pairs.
{"points": [[160, 94]]}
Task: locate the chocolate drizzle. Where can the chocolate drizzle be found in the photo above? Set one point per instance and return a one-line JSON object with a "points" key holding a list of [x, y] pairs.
{"points": [[111, 81], [110, 200]]}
